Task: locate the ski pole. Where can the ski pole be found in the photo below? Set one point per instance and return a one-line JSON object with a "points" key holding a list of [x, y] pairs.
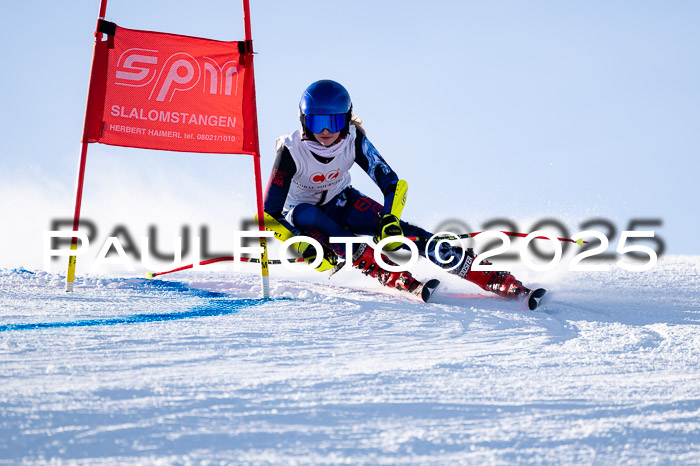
{"points": [[509, 233], [151, 275]]}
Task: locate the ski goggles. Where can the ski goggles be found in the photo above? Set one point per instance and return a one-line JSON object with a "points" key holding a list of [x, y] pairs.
{"points": [[333, 123]]}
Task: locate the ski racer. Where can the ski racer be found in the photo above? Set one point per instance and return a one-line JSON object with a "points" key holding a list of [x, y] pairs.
{"points": [[309, 193]]}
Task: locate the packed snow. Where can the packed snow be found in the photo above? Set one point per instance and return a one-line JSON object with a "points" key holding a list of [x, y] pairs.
{"points": [[195, 368]]}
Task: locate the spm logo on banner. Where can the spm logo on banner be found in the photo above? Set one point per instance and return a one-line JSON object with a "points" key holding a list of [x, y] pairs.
{"points": [[179, 72]]}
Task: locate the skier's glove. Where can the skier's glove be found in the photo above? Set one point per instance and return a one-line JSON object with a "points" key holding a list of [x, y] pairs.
{"points": [[389, 226], [309, 253]]}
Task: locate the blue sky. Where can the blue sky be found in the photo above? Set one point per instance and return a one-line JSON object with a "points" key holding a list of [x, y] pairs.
{"points": [[523, 110]]}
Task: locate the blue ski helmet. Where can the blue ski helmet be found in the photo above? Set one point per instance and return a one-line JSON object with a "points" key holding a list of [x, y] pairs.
{"points": [[325, 104]]}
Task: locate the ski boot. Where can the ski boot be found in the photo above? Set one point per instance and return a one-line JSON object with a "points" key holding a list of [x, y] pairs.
{"points": [[363, 259], [504, 284], [501, 283]]}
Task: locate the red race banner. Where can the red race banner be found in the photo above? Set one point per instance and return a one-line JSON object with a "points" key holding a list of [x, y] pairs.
{"points": [[169, 92]]}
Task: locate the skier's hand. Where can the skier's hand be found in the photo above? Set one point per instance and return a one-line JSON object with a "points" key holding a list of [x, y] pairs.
{"points": [[309, 253], [389, 226]]}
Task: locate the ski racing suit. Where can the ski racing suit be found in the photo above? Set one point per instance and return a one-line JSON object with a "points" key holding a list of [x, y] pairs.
{"points": [[309, 192]]}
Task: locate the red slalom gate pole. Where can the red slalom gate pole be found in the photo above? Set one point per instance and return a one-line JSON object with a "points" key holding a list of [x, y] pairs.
{"points": [[508, 233], [70, 273], [151, 275], [264, 266]]}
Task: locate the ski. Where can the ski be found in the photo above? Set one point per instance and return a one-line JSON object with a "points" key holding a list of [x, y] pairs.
{"points": [[422, 292], [534, 298], [428, 288], [529, 301]]}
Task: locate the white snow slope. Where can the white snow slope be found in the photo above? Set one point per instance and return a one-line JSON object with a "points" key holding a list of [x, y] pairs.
{"points": [[195, 369]]}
